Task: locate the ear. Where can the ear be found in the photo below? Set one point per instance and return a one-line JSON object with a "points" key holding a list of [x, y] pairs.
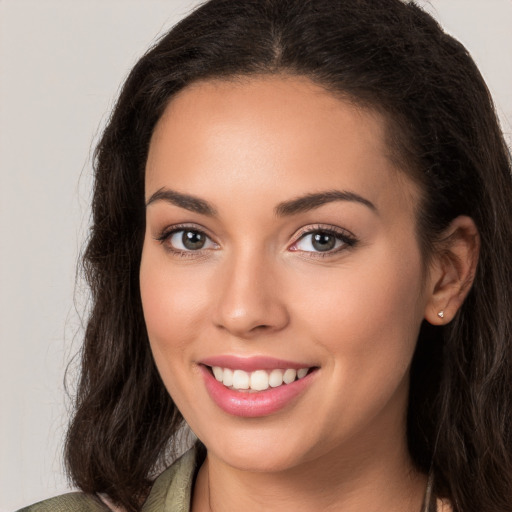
{"points": [[452, 270]]}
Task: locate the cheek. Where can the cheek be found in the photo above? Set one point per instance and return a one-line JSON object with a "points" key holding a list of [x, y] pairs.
{"points": [[365, 320], [173, 303], [368, 312]]}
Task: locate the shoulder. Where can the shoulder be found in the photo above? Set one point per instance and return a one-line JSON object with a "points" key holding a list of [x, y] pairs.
{"points": [[72, 502], [171, 491]]}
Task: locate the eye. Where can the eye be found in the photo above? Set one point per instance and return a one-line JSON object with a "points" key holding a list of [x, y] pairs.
{"points": [[186, 240], [323, 241]]}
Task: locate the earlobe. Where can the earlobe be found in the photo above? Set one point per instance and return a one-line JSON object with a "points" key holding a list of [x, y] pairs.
{"points": [[452, 270]]}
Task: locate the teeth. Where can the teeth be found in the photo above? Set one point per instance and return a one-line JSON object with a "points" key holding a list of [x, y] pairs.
{"points": [[218, 373], [302, 372], [227, 378], [275, 378], [258, 380], [241, 379], [289, 376]]}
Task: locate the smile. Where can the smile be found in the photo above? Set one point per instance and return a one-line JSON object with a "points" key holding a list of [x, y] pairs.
{"points": [[257, 386], [258, 380]]}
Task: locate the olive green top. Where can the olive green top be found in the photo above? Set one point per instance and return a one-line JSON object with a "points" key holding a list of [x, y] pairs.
{"points": [[171, 492]]}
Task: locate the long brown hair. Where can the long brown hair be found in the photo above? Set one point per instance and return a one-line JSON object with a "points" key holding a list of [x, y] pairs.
{"points": [[384, 54]]}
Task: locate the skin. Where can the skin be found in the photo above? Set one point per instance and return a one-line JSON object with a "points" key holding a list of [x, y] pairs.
{"points": [[257, 288]]}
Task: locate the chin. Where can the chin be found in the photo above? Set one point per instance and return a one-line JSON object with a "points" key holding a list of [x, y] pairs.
{"points": [[264, 452], [257, 460]]}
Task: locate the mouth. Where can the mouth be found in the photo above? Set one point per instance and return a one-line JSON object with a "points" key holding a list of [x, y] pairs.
{"points": [[259, 389], [257, 380]]}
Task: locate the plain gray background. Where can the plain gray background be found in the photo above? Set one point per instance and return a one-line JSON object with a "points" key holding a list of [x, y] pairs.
{"points": [[61, 64]]}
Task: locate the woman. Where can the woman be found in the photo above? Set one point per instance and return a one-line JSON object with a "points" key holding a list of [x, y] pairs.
{"points": [[301, 247]]}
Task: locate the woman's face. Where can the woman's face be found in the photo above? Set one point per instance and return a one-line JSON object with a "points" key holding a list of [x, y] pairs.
{"points": [[281, 237]]}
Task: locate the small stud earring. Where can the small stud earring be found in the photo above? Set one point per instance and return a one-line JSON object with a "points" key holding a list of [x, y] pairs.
{"points": [[440, 314]]}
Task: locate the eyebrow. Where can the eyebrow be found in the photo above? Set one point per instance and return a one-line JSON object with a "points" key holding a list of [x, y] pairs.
{"points": [[286, 208], [186, 201], [315, 200]]}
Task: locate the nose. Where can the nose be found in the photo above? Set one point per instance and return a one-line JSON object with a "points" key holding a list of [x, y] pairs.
{"points": [[250, 300]]}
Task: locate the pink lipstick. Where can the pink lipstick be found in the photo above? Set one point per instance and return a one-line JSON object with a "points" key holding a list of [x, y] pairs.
{"points": [[256, 386]]}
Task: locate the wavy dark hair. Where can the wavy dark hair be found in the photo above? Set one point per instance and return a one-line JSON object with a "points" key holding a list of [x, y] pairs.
{"points": [[386, 55]]}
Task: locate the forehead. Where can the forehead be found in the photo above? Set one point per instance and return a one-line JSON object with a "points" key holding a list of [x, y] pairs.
{"points": [[269, 135]]}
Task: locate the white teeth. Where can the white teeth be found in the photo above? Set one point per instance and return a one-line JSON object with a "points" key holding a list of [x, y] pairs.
{"points": [[289, 376], [227, 378], [275, 378], [218, 373], [241, 379], [302, 372], [258, 380]]}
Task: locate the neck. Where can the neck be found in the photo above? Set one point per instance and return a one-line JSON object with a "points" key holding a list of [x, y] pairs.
{"points": [[351, 480]]}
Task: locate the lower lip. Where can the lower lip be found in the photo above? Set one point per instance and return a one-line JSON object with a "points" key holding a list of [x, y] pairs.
{"points": [[255, 404]]}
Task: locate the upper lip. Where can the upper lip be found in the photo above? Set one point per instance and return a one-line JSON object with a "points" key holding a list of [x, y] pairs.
{"points": [[250, 364]]}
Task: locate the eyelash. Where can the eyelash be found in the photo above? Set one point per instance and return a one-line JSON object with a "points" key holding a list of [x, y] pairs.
{"points": [[169, 232], [348, 240]]}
